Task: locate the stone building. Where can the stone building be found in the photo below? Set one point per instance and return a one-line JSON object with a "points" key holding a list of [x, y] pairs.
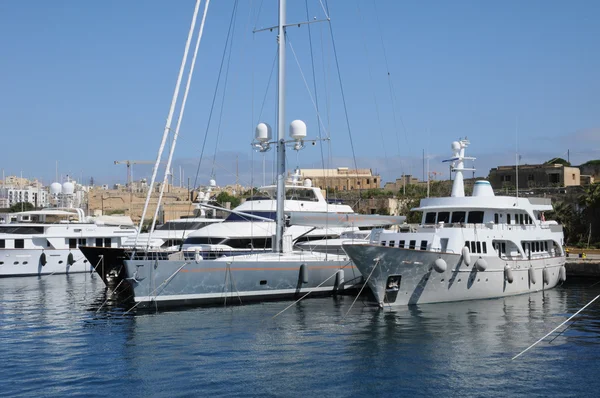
{"points": [[401, 182], [342, 178], [535, 176]]}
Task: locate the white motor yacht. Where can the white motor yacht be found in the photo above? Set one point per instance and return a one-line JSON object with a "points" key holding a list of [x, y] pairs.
{"points": [[42, 242], [476, 247]]}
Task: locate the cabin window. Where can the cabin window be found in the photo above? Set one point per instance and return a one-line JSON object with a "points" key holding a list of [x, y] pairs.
{"points": [[2, 244], [443, 216], [473, 248], [19, 243], [82, 242], [478, 247], [458, 216], [475, 217], [423, 245], [383, 243], [496, 218], [392, 243], [72, 243], [107, 242], [401, 244], [546, 245], [537, 246], [484, 247], [98, 242], [508, 218], [521, 221], [429, 218], [412, 244]]}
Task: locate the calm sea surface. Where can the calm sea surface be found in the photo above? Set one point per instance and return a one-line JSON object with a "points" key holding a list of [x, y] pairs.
{"points": [[55, 342]]}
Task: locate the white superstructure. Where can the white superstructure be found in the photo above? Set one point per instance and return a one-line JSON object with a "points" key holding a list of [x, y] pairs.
{"points": [[251, 226], [480, 246], [46, 241]]}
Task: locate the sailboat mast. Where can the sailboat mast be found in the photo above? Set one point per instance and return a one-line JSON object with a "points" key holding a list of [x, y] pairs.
{"points": [[280, 221]]}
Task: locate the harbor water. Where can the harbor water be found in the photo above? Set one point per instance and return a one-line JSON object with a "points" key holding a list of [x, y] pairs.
{"points": [[59, 338]]}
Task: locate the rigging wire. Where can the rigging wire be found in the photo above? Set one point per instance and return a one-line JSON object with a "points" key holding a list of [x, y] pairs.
{"points": [[337, 65], [372, 82], [392, 91], [212, 173], [212, 107]]}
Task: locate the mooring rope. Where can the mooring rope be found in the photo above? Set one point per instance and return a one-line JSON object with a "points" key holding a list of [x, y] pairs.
{"points": [[553, 330], [166, 281], [301, 298], [363, 286]]}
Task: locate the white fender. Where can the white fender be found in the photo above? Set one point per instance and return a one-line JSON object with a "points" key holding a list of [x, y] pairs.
{"points": [[481, 264], [197, 255], [532, 275], [508, 275], [440, 265], [562, 273], [546, 276], [466, 253]]}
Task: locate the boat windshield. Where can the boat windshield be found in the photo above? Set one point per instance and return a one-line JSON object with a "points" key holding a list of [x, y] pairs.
{"points": [[291, 193], [233, 217], [181, 226], [23, 230]]}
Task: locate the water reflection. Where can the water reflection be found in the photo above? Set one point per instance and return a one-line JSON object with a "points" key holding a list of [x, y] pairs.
{"points": [[67, 335]]}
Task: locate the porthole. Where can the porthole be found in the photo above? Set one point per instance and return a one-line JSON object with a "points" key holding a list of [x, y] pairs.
{"points": [[85, 261], [60, 262], [24, 262], [1, 262], [263, 282], [16, 263]]}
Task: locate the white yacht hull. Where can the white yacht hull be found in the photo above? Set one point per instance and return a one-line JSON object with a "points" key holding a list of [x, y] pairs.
{"points": [[238, 279], [420, 283], [28, 262]]}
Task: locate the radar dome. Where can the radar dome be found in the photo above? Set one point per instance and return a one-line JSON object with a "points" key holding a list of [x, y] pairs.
{"points": [[263, 132], [68, 188], [298, 130], [55, 188], [307, 183], [456, 146], [212, 183], [482, 188]]}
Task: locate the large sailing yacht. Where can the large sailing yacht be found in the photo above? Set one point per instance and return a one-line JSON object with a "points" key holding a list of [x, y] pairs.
{"points": [[280, 273], [475, 247]]}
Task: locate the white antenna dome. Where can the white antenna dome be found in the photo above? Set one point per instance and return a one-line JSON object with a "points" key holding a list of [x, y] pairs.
{"points": [[68, 188], [307, 183], [455, 146], [55, 188], [212, 183], [263, 132], [298, 130], [482, 188]]}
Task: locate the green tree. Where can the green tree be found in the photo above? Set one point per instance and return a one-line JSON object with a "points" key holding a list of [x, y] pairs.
{"points": [[225, 197], [21, 206]]}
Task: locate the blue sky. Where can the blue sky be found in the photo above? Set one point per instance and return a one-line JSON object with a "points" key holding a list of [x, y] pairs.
{"points": [[86, 83]]}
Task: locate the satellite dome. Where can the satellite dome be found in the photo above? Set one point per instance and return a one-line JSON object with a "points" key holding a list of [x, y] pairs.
{"points": [[298, 130], [307, 183], [456, 146], [263, 132], [68, 188], [212, 183], [55, 188]]}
